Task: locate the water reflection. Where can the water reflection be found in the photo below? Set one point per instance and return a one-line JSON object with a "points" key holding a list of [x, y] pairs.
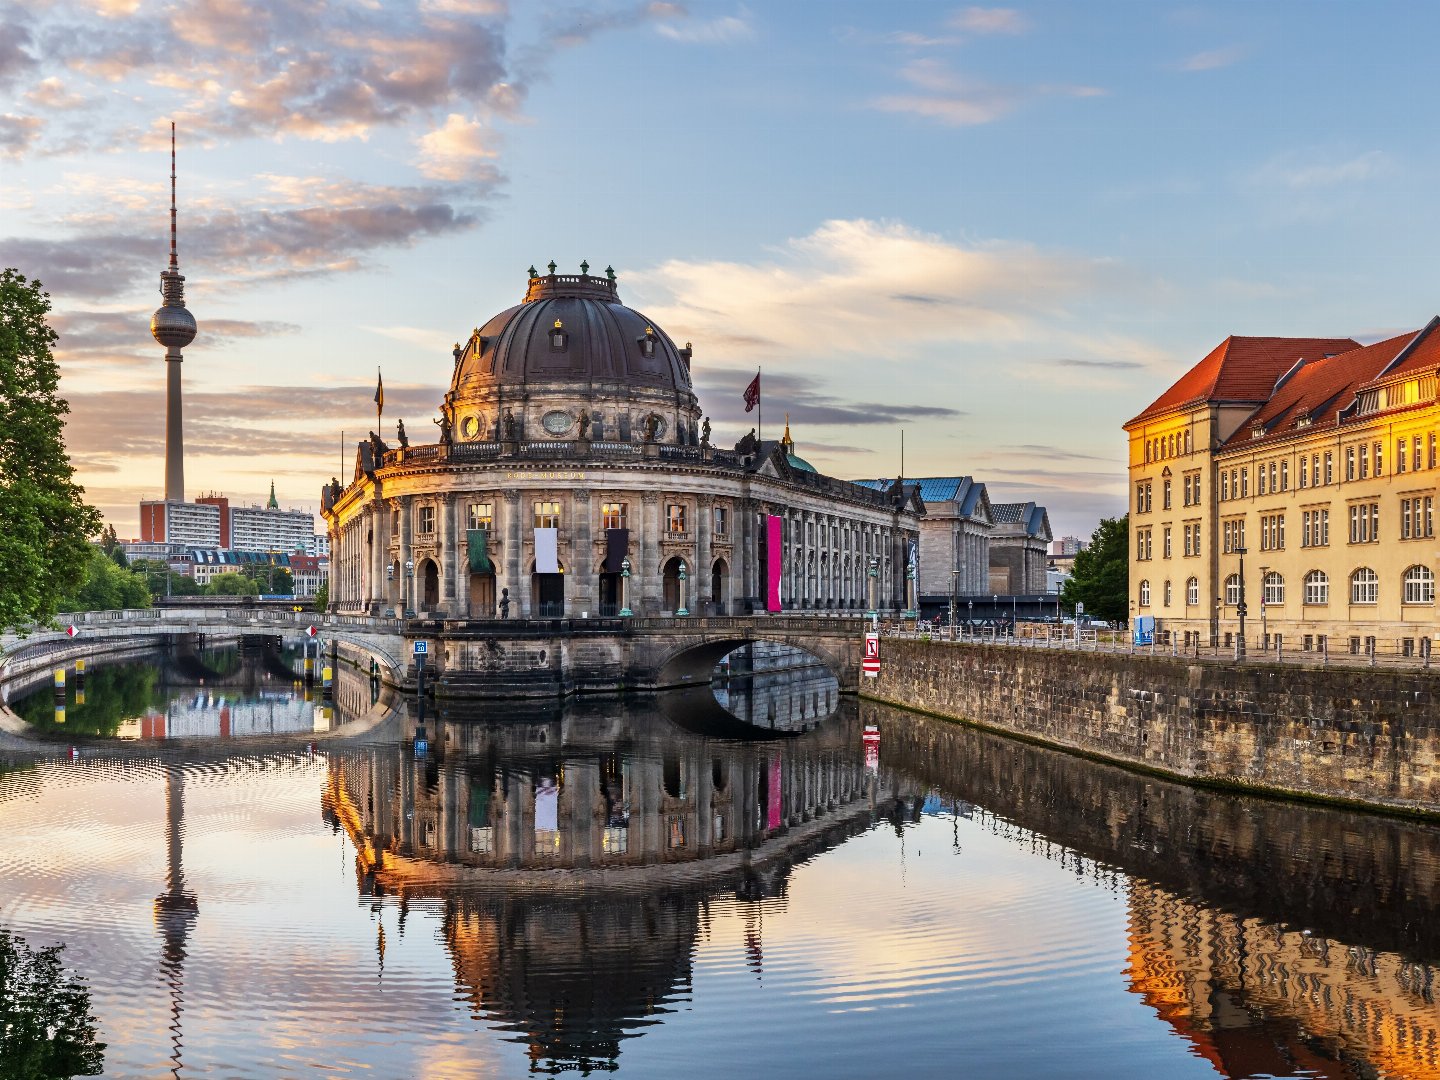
{"points": [[240, 691]]}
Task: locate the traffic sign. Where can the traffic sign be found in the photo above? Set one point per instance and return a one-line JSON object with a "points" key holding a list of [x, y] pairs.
{"points": [[421, 648], [1079, 607], [310, 631], [871, 664]]}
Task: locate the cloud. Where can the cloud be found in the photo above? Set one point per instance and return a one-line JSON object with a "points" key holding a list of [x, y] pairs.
{"points": [[51, 94], [978, 20], [247, 244], [1295, 174], [866, 289], [1212, 59], [725, 30], [1103, 365], [457, 150], [805, 400], [112, 335], [17, 133], [961, 101]]}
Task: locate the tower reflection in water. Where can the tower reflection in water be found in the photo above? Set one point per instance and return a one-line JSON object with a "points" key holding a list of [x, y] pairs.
{"points": [[577, 854]]}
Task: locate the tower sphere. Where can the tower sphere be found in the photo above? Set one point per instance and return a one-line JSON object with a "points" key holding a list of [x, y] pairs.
{"points": [[173, 327]]}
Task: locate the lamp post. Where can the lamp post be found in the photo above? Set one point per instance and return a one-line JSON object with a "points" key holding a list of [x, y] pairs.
{"points": [[954, 597], [625, 611], [409, 589], [682, 610], [1240, 607], [873, 570], [1264, 628]]}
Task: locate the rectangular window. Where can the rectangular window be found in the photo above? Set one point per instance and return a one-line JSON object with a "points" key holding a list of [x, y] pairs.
{"points": [[1400, 447], [1329, 466], [1148, 494], [1355, 524], [1379, 459], [1364, 461], [479, 516], [1224, 487], [1349, 462], [1274, 478], [675, 518], [425, 520], [1433, 448], [1323, 532], [1429, 515], [1304, 471], [547, 515], [1261, 487], [1195, 494], [1405, 518], [722, 521], [1165, 495], [612, 515], [1415, 445], [1165, 542], [1245, 482], [1284, 476]]}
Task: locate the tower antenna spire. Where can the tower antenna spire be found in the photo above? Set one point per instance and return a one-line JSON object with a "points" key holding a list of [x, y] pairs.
{"points": [[174, 258]]}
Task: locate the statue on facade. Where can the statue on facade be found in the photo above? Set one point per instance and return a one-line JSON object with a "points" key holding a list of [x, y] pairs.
{"points": [[652, 427], [705, 433], [334, 489], [377, 450], [584, 423], [504, 603], [400, 435], [508, 422], [748, 445], [447, 433]]}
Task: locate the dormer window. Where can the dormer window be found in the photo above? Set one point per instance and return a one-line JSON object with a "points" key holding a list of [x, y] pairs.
{"points": [[647, 343], [1257, 430], [558, 337]]}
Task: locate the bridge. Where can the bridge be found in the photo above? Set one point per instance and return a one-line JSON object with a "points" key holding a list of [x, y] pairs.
{"points": [[496, 658]]}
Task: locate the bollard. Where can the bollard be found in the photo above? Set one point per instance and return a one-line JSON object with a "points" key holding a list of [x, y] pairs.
{"points": [[80, 668], [327, 676], [60, 678], [309, 670]]}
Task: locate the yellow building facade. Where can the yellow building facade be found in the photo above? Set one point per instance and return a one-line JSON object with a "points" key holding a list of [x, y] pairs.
{"points": [[1296, 476]]}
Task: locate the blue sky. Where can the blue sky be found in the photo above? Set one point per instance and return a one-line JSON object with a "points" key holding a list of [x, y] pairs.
{"points": [[1002, 229]]}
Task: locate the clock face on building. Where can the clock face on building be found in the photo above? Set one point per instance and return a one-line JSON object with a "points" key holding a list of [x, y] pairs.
{"points": [[557, 422], [470, 427]]}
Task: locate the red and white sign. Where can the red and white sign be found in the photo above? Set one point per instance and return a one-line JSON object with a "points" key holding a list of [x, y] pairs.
{"points": [[71, 631], [871, 664], [310, 631], [871, 741]]}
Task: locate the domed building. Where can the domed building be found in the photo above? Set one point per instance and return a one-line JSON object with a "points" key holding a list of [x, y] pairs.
{"points": [[574, 476]]}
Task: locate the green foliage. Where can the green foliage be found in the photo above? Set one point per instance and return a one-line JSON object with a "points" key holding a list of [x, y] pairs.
{"points": [[232, 585], [282, 583], [1101, 577], [47, 1030], [43, 547], [112, 696], [110, 544], [107, 586], [162, 581], [322, 597]]}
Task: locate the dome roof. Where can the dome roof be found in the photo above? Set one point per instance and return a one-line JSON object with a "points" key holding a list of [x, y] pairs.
{"points": [[571, 328], [799, 463]]}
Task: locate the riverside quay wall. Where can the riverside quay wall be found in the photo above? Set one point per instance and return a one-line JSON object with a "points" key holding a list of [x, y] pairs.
{"points": [[1356, 735]]}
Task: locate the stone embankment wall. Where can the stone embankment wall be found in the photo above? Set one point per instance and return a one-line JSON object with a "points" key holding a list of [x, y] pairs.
{"points": [[1349, 734]]}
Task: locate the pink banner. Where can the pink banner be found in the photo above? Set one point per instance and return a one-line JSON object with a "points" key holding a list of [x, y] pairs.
{"points": [[774, 552], [775, 817]]}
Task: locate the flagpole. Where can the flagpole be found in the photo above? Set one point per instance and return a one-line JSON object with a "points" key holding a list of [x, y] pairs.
{"points": [[760, 408]]}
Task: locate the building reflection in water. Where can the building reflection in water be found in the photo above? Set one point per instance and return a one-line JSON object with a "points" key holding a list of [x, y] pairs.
{"points": [[644, 825], [1278, 939]]}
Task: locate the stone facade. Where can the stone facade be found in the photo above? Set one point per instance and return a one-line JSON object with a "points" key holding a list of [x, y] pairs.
{"points": [[1019, 548], [1352, 734], [572, 412]]}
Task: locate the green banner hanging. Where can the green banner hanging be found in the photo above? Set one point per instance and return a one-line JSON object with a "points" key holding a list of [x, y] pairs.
{"points": [[476, 543]]}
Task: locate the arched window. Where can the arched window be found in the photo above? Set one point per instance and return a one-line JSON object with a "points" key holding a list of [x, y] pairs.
{"points": [[1189, 444], [1167, 593], [1192, 592], [1364, 586], [1419, 585], [1317, 587], [1145, 593], [1232, 590], [1273, 588]]}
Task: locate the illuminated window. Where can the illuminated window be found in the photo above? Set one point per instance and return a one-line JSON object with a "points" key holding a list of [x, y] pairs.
{"points": [[612, 515], [425, 520], [558, 337], [481, 516], [547, 515], [675, 518]]}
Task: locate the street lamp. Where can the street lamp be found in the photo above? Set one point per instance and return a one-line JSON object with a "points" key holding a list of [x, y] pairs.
{"points": [[1240, 607], [409, 586], [625, 611], [682, 609], [1264, 629], [873, 570], [954, 597]]}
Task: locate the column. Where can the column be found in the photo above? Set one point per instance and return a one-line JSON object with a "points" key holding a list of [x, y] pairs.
{"points": [[580, 577], [402, 507], [449, 555], [459, 568], [704, 557], [646, 564], [519, 598]]}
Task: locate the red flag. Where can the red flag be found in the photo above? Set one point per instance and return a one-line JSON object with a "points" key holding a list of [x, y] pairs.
{"points": [[752, 393]]}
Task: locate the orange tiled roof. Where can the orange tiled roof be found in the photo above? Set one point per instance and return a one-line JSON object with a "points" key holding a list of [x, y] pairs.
{"points": [[1321, 388], [1242, 369]]}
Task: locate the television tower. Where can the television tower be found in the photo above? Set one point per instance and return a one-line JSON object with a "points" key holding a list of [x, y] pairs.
{"points": [[174, 327]]}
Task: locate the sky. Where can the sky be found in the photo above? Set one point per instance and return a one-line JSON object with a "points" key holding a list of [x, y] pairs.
{"points": [[1002, 231]]}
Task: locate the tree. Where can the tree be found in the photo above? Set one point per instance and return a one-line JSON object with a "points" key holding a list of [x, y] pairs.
{"points": [[1101, 577], [235, 584], [163, 581], [44, 550], [110, 544], [322, 597], [107, 586], [46, 1027]]}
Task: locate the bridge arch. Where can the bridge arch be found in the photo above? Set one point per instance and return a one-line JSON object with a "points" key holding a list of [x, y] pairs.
{"points": [[693, 662]]}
